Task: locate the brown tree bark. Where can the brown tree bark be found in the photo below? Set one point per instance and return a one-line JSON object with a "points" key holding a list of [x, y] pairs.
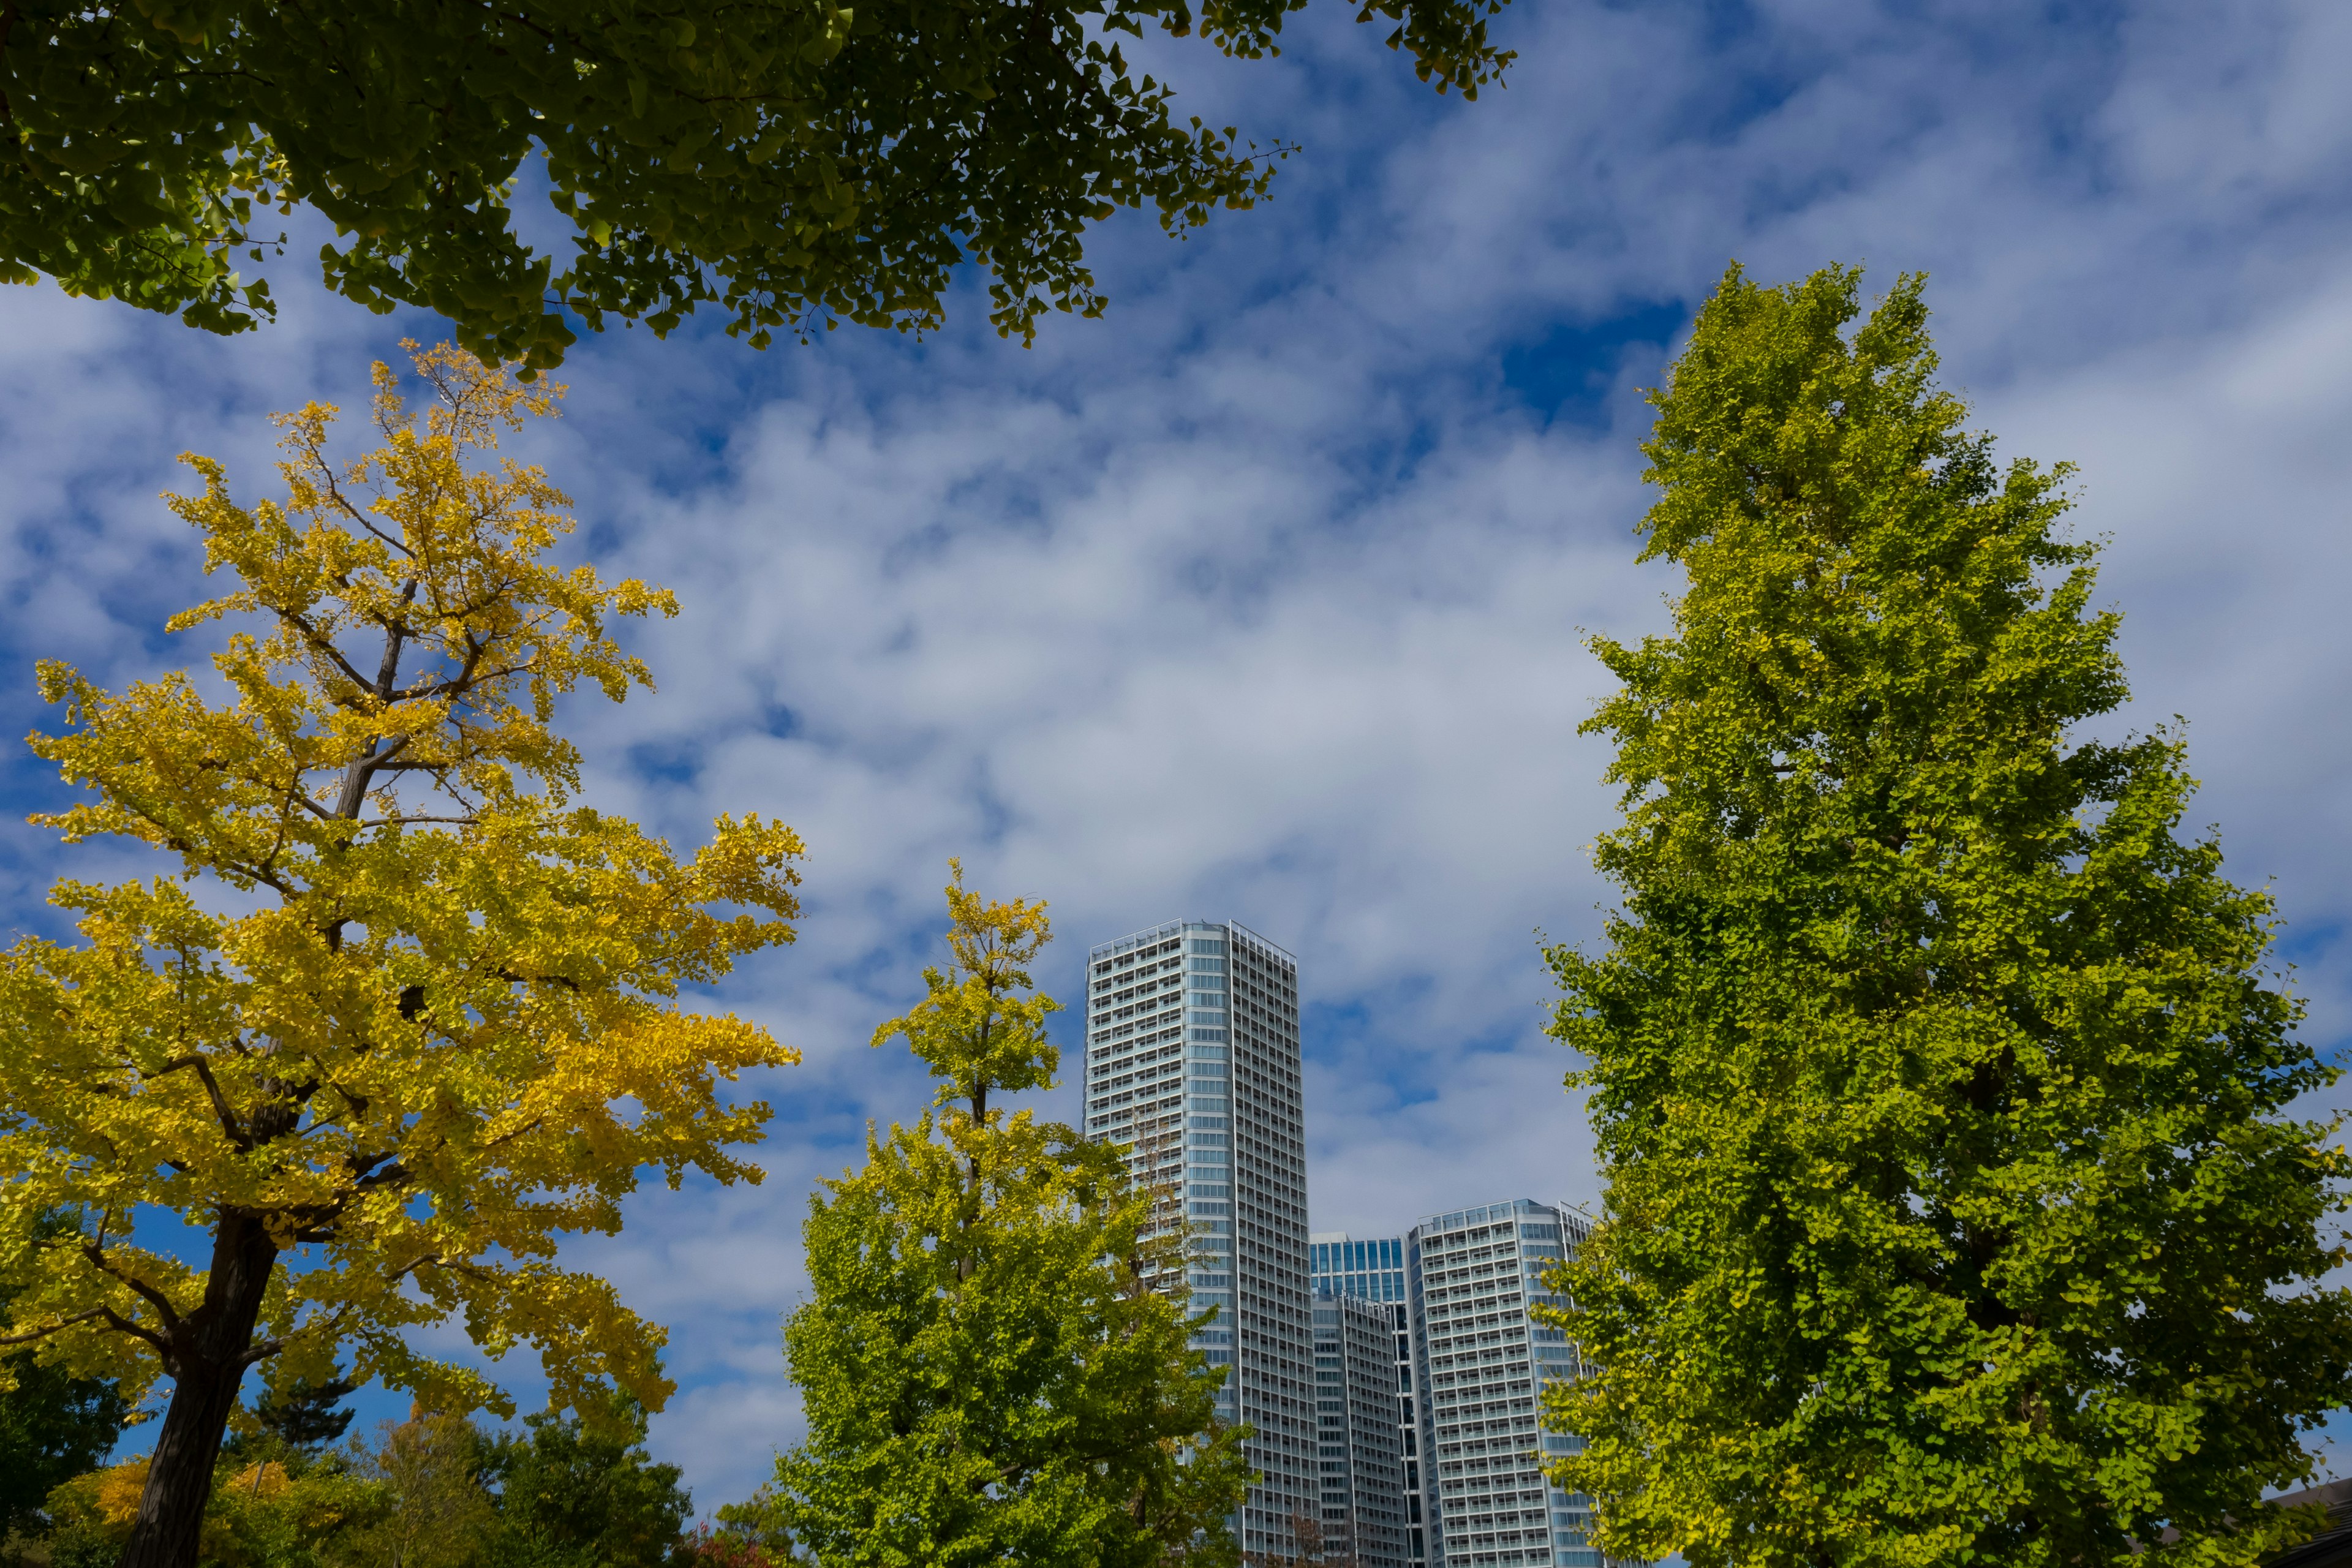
{"points": [[205, 1355]]}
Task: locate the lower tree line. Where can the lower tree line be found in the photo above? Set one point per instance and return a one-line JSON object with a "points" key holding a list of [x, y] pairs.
{"points": [[435, 1490]]}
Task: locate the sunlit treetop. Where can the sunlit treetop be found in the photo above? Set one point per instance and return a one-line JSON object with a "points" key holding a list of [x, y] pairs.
{"points": [[980, 1025]]}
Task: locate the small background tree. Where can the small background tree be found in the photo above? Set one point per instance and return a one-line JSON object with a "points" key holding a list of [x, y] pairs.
{"points": [[54, 1425], [437, 1510], [574, 1495], [304, 1415], [1954, 1212], [438, 1027], [749, 1534], [989, 1373], [1318, 1545]]}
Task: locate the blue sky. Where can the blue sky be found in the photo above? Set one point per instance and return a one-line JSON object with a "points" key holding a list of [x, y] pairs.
{"points": [[1264, 596]]}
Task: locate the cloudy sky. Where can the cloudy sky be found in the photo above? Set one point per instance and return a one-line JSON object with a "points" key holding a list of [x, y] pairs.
{"points": [[1264, 597]]}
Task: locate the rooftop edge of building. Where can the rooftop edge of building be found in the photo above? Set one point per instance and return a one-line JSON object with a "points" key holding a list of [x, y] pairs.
{"points": [[1490, 1214], [1167, 929]]}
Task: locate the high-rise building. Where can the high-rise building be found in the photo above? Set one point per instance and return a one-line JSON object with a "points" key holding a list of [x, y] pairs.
{"points": [[1369, 1270], [1372, 1271], [1193, 1065], [1359, 1454], [1479, 1362]]}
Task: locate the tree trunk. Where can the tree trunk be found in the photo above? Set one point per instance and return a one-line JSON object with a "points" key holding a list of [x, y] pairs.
{"points": [[206, 1363]]}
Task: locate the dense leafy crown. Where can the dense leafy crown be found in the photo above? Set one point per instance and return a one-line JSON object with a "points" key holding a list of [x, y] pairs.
{"points": [[407, 1011], [1953, 1212], [989, 1372], [791, 161]]}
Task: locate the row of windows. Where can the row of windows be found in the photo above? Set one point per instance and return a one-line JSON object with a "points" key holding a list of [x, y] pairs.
{"points": [[1356, 1257], [1117, 990], [1117, 962], [1362, 1286]]}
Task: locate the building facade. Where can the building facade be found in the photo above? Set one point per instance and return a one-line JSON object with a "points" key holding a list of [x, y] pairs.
{"points": [[1192, 1066], [1479, 1362], [1373, 1271], [1359, 1454]]}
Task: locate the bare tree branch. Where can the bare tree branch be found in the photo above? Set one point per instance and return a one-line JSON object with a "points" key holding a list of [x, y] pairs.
{"points": [[33, 1335], [335, 494], [122, 1325], [96, 1253], [396, 636], [321, 645], [203, 1072]]}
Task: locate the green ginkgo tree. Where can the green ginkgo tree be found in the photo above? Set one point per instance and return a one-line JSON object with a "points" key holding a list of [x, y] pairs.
{"points": [[1960, 1208], [992, 1369]]}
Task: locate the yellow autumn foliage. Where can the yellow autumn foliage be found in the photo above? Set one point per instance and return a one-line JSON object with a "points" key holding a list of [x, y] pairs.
{"points": [[114, 1490], [404, 1010], [252, 1513], [263, 1478]]}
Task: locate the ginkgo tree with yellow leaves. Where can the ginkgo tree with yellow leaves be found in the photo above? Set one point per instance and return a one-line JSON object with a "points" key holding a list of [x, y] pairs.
{"points": [[406, 1009]]}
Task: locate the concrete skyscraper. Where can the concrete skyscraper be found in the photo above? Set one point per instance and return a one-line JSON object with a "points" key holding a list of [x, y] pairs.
{"points": [[1359, 1453], [1193, 1065], [1372, 1271], [1480, 1362]]}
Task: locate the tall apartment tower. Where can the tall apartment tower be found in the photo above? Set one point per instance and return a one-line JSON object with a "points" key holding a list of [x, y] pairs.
{"points": [[1372, 1271], [1358, 1450], [1479, 1362], [1192, 1066]]}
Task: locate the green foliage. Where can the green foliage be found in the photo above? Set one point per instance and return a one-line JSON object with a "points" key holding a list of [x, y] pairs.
{"points": [[748, 1535], [292, 1510], [303, 1414], [576, 1497], [301, 1512], [1956, 1213], [790, 162], [989, 1373], [53, 1425], [433, 1491], [437, 1512]]}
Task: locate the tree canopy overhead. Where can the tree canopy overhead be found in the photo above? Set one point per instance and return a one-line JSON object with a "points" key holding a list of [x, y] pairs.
{"points": [[1957, 1210], [791, 161]]}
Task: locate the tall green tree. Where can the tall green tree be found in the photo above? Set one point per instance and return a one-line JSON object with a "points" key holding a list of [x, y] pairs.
{"points": [[989, 1373], [1956, 1207], [790, 162]]}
